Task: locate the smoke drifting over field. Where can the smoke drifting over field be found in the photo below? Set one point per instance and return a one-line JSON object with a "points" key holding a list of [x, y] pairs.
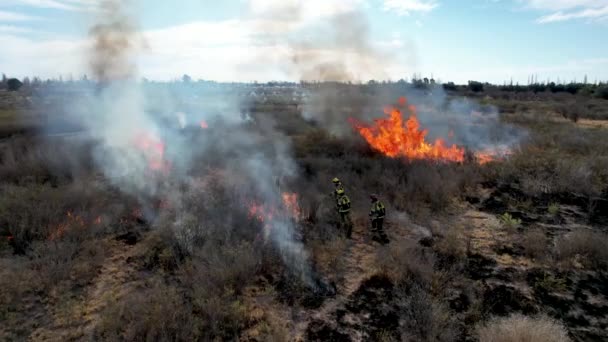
{"points": [[148, 150], [338, 49]]}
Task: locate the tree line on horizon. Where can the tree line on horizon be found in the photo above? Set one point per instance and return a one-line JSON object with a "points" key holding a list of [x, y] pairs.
{"points": [[596, 89]]}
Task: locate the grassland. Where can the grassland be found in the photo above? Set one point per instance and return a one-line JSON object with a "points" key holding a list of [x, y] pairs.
{"points": [[510, 250]]}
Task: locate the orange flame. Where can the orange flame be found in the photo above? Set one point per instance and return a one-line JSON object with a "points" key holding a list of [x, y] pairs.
{"points": [[484, 157], [72, 221], [153, 150], [492, 154], [290, 202], [290, 208], [395, 138], [265, 214]]}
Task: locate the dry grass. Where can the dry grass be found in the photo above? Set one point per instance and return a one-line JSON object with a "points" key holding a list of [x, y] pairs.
{"points": [[453, 243], [518, 328], [535, 243], [406, 264], [154, 314], [427, 319], [586, 244]]}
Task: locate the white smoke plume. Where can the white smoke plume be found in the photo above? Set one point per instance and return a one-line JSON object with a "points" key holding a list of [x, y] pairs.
{"points": [[147, 142], [336, 54]]}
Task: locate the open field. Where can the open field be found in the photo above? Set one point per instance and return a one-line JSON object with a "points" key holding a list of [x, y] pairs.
{"points": [[478, 251]]}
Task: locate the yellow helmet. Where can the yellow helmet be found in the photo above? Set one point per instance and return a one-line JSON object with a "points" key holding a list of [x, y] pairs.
{"points": [[335, 180], [340, 192]]}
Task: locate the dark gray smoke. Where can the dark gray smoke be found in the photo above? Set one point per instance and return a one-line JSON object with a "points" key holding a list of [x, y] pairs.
{"points": [[115, 42]]}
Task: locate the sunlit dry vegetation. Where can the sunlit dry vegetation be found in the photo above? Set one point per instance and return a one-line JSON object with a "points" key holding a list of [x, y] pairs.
{"points": [[509, 250]]}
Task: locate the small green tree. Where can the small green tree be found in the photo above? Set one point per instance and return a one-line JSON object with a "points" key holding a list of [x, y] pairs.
{"points": [[509, 222], [475, 86], [602, 92], [13, 84], [450, 86]]}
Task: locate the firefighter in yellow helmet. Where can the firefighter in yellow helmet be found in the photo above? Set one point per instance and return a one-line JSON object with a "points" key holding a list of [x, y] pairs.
{"points": [[337, 186], [377, 214], [343, 202]]}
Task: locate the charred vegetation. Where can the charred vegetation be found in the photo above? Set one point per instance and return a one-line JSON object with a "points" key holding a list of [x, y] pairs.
{"points": [[475, 245]]}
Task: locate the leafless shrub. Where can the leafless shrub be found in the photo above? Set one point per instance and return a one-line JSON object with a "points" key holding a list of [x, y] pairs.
{"points": [[214, 278], [28, 212], [589, 245], [36, 212], [53, 261], [406, 264], [427, 319], [156, 252], [328, 255], [158, 313], [540, 166], [90, 258], [519, 328], [17, 279], [534, 242], [25, 160], [572, 111], [453, 244], [273, 331]]}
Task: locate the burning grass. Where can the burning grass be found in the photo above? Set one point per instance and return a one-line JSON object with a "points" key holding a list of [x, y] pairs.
{"points": [[397, 137], [199, 240]]}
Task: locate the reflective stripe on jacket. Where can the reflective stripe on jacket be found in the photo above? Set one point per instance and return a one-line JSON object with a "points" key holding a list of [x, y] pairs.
{"points": [[378, 210], [338, 188], [344, 204]]}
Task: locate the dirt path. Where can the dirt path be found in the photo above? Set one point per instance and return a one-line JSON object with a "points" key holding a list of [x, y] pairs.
{"points": [[359, 264], [76, 318]]}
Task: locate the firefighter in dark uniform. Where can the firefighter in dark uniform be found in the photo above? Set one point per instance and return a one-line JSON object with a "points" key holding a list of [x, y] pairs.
{"points": [[337, 186], [377, 214], [344, 205]]}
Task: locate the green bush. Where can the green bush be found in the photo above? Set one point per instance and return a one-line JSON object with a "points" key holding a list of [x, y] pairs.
{"points": [[509, 222]]}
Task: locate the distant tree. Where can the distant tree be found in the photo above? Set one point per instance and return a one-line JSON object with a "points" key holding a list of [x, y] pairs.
{"points": [[475, 86], [13, 84], [186, 79], [602, 92], [26, 81], [450, 86]]}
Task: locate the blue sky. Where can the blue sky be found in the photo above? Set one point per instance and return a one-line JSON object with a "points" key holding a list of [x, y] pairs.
{"points": [[245, 40]]}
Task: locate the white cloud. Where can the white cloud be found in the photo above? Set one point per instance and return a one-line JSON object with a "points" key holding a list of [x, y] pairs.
{"points": [[47, 58], [302, 11], [14, 29], [557, 5], [594, 68], [226, 50], [590, 13], [13, 16], [66, 5], [405, 7], [562, 10]]}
